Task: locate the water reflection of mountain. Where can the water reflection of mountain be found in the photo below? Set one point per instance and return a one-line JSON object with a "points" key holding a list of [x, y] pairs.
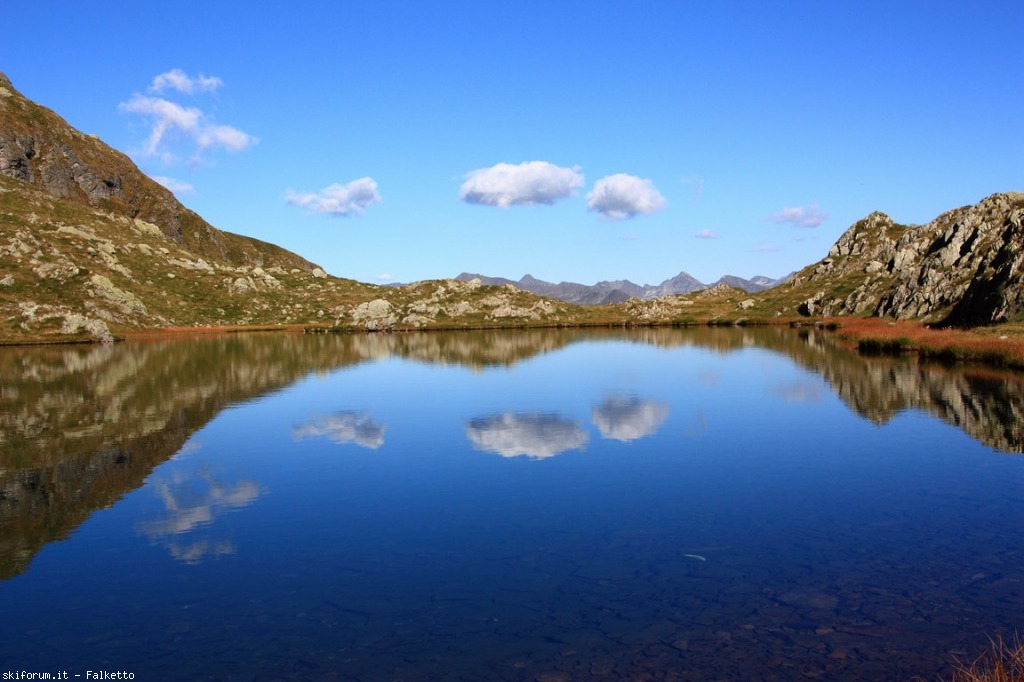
{"points": [[985, 404], [82, 426], [537, 436]]}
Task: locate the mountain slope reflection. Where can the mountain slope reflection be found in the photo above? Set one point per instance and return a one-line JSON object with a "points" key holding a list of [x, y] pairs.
{"points": [[81, 426]]}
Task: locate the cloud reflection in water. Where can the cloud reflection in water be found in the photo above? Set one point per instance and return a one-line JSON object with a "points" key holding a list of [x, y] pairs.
{"points": [[192, 504], [536, 436], [628, 418], [343, 428]]}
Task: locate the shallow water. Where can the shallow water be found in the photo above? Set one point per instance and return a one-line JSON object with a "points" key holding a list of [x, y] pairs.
{"points": [[550, 505]]}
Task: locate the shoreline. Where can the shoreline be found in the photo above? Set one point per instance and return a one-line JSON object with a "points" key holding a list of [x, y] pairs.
{"points": [[1000, 346]]}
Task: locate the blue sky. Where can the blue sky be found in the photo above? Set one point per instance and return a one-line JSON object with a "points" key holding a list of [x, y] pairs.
{"points": [[570, 140]]}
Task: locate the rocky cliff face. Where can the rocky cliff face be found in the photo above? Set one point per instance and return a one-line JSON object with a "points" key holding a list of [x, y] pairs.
{"points": [[39, 148], [963, 268]]}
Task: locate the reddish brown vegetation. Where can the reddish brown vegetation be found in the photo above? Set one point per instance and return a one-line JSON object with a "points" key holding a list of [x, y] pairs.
{"points": [[999, 346], [1002, 663]]}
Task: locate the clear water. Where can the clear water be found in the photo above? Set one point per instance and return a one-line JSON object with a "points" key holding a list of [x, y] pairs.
{"points": [[553, 505]]}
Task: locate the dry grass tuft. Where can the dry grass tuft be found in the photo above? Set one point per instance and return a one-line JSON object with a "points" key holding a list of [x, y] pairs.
{"points": [[1001, 663]]}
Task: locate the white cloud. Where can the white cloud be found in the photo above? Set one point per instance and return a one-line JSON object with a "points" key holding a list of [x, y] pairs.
{"points": [[338, 200], [166, 117], [173, 124], [622, 196], [766, 249], [385, 277], [801, 216], [232, 139], [176, 186], [176, 79], [527, 184], [706, 234]]}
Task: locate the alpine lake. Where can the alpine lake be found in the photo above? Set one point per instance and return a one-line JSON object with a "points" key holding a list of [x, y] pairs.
{"points": [[541, 505]]}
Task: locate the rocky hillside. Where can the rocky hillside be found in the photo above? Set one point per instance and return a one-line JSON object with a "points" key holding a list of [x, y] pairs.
{"points": [[39, 148], [91, 247], [962, 269]]}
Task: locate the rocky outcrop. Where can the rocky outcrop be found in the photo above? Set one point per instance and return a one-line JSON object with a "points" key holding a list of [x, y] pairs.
{"points": [[963, 268], [995, 293], [431, 303], [374, 315]]}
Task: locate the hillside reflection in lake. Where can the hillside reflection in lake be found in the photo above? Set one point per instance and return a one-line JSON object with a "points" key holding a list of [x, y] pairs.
{"points": [[649, 505]]}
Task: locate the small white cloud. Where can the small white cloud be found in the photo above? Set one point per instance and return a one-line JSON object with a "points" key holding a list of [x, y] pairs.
{"points": [[176, 79], [232, 139], [338, 200], [801, 216], [697, 184], [385, 277], [171, 123], [176, 186], [622, 196], [166, 117], [526, 184], [766, 249], [706, 234]]}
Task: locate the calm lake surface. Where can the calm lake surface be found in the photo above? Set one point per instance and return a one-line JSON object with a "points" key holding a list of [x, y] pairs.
{"points": [[707, 504]]}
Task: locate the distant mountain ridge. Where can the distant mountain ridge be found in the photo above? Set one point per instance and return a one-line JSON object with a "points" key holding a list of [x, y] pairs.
{"points": [[621, 290]]}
